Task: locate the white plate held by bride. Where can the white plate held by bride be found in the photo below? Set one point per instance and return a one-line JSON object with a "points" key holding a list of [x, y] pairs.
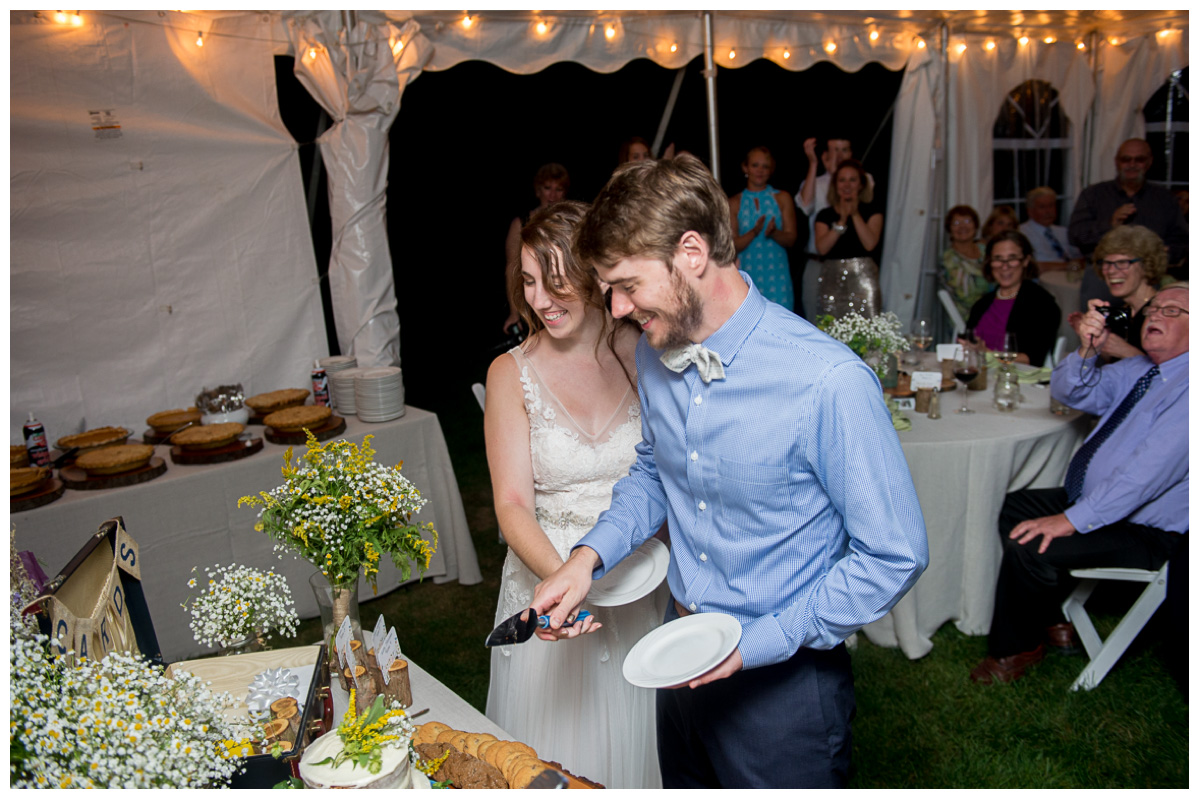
{"points": [[636, 576], [681, 650]]}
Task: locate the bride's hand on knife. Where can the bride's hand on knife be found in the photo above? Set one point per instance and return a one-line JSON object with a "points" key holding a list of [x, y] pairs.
{"points": [[561, 595]]}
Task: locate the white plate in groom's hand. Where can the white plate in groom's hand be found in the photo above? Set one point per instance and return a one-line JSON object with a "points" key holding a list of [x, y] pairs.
{"points": [[636, 576], [681, 650]]}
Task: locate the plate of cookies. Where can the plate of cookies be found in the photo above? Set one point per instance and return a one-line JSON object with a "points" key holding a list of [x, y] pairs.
{"points": [[481, 760]]}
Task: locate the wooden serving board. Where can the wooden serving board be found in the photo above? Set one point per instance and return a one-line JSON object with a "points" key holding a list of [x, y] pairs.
{"points": [[47, 493], [75, 478], [238, 448], [150, 437], [328, 429]]}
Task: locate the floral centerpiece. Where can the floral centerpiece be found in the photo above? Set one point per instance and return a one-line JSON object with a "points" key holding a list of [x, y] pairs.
{"points": [[118, 722], [872, 339], [342, 511], [240, 604]]}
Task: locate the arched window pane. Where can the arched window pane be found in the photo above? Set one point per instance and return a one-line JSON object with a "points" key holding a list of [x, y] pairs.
{"points": [[1166, 115], [1030, 140]]}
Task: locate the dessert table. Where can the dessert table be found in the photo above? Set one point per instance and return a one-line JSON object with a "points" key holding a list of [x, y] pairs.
{"points": [[962, 466], [189, 517]]}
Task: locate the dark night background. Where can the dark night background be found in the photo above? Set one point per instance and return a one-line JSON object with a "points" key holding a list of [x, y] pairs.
{"points": [[466, 144]]}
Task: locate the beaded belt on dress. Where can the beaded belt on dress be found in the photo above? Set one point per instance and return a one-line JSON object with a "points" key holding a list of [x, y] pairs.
{"points": [[562, 519]]}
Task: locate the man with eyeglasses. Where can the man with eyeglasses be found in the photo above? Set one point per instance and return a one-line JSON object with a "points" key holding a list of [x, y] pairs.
{"points": [[1127, 200], [1125, 499]]}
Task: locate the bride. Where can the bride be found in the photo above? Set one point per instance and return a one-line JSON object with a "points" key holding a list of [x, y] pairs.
{"points": [[561, 424]]}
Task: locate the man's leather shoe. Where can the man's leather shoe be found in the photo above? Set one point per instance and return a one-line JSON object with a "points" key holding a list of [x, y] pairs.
{"points": [[1007, 669], [1061, 637]]}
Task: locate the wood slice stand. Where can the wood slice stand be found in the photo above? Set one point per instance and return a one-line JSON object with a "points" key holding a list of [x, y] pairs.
{"points": [[47, 493], [76, 478], [238, 448], [150, 437], [256, 418], [328, 429]]}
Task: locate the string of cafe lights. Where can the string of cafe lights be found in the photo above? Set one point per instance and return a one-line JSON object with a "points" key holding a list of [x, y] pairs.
{"points": [[612, 28]]}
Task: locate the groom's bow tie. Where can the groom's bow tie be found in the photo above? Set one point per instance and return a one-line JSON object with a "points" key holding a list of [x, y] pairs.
{"points": [[707, 362]]}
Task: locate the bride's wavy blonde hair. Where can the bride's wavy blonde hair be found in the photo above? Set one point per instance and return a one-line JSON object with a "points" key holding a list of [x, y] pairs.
{"points": [[548, 238]]}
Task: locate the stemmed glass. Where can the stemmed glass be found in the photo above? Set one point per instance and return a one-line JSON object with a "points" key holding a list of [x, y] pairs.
{"points": [[966, 369], [922, 335], [1008, 353]]}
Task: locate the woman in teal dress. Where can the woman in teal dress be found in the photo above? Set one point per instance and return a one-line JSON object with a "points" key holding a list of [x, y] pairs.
{"points": [[765, 222]]}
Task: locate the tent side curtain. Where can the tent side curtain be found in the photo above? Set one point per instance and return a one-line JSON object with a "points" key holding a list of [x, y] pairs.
{"points": [[159, 236]]}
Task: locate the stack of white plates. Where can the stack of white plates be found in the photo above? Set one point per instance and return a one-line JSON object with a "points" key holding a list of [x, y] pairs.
{"points": [[379, 394], [334, 364], [341, 386]]}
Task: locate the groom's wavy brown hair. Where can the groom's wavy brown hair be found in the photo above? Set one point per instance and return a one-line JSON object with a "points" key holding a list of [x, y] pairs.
{"points": [[548, 238], [647, 206]]}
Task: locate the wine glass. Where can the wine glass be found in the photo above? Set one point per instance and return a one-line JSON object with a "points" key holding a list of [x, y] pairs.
{"points": [[966, 369], [1008, 353], [921, 336]]}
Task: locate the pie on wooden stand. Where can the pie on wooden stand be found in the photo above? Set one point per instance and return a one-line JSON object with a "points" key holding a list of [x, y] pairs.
{"points": [[264, 404], [208, 437]]}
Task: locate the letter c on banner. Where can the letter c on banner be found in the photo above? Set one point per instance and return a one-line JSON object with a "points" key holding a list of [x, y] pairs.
{"points": [[61, 634]]}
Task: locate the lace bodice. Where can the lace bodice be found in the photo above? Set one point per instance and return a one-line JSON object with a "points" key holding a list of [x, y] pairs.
{"points": [[573, 471]]}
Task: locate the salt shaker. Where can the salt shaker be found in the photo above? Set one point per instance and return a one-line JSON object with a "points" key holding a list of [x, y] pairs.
{"points": [[935, 405]]}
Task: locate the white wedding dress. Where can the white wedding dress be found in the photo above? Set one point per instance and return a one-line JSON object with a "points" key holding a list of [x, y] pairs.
{"points": [[568, 699]]}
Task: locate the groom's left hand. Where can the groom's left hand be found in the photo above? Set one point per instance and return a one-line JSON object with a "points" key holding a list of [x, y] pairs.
{"points": [[726, 668]]}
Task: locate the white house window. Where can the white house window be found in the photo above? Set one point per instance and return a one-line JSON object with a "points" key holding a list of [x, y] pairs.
{"points": [[1030, 147], [1166, 115]]}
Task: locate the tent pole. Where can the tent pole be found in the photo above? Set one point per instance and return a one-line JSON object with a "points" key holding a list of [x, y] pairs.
{"points": [[667, 112], [315, 175], [1090, 144], [710, 91]]}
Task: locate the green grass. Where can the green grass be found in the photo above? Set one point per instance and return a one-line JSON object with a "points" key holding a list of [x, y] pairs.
{"points": [[919, 724]]}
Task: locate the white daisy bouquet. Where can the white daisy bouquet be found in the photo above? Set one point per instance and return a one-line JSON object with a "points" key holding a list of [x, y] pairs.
{"points": [[868, 337], [238, 603], [117, 723]]}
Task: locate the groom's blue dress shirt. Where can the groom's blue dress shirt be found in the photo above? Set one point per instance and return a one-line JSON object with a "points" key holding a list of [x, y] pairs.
{"points": [[789, 499]]}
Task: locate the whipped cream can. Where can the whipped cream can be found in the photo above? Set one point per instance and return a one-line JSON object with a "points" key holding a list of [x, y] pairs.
{"points": [[35, 442]]}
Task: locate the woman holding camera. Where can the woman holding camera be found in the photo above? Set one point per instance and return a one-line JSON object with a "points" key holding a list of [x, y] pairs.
{"points": [[1017, 305], [1132, 259]]}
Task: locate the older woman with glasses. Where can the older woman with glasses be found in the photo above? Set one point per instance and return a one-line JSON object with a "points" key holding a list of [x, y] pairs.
{"points": [[1017, 305], [1131, 259]]}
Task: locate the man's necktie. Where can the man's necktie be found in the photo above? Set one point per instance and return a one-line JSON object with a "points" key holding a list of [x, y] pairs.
{"points": [[1079, 464], [707, 362], [1056, 244]]}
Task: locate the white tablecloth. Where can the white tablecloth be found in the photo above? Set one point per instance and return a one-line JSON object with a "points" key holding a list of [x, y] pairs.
{"points": [[1064, 286], [189, 517], [962, 466]]}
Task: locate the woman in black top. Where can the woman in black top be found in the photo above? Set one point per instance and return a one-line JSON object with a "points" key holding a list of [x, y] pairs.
{"points": [[846, 233], [1132, 259], [1017, 305]]}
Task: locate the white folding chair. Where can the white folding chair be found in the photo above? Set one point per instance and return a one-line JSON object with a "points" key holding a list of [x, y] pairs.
{"points": [[480, 394], [1104, 653], [1060, 347], [952, 311]]}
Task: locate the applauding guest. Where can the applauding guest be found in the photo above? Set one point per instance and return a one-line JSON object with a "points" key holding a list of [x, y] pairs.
{"points": [[1017, 305], [848, 232], [766, 224], [561, 424], [1125, 499]]}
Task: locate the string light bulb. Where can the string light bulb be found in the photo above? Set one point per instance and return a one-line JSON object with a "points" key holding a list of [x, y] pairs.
{"points": [[961, 48], [1049, 40], [989, 45], [199, 39], [312, 54], [610, 32], [396, 48], [831, 48], [1164, 32], [60, 17], [874, 35], [674, 47], [76, 20], [920, 44], [467, 22], [732, 54], [1024, 40], [786, 53], [542, 27], [1114, 41]]}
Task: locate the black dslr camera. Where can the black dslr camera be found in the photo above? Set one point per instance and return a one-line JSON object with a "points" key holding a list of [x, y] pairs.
{"points": [[1115, 319]]}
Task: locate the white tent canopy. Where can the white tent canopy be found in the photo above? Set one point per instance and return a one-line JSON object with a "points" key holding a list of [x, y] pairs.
{"points": [[157, 207]]}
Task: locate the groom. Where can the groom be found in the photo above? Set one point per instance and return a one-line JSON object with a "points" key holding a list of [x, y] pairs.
{"points": [[768, 448]]}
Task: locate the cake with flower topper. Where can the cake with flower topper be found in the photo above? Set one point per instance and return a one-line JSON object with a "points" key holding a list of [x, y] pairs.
{"points": [[367, 751]]}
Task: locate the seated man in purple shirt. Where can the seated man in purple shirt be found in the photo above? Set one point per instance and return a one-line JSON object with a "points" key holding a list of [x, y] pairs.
{"points": [[1125, 502]]}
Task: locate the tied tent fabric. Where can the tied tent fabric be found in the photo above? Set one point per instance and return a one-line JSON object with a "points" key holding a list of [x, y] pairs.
{"points": [[159, 238], [358, 76]]}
